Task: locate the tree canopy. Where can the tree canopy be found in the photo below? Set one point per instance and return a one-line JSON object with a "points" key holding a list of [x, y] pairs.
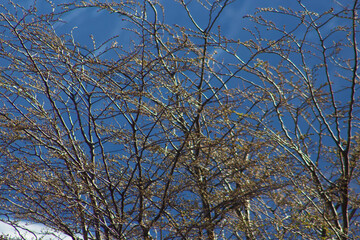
{"points": [[181, 128]]}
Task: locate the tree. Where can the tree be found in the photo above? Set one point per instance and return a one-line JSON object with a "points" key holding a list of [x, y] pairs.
{"points": [[311, 107], [185, 132]]}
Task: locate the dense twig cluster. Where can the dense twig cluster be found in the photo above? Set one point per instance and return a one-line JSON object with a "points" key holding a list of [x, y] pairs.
{"points": [[183, 133]]}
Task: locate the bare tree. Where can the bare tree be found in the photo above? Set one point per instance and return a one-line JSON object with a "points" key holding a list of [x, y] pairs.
{"points": [[175, 135], [309, 76]]}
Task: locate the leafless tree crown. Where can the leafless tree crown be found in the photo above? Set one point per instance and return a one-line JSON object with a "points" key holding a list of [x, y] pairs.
{"points": [[185, 131]]}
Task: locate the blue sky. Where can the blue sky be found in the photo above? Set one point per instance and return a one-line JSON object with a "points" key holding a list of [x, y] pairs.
{"points": [[101, 25]]}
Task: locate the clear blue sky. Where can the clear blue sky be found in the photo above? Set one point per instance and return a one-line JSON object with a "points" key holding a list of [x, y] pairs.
{"points": [[103, 25]]}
